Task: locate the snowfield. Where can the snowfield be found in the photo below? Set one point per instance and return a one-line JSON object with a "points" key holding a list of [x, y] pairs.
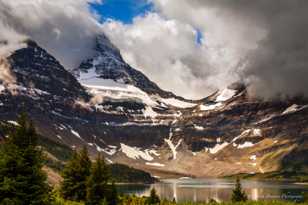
{"points": [[177, 103], [210, 107], [225, 95], [245, 145], [108, 88], [136, 153]]}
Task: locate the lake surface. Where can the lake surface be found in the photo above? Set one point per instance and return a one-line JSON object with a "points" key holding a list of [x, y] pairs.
{"points": [[202, 190]]}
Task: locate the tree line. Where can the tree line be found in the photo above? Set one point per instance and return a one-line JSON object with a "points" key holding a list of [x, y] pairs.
{"points": [[23, 182]]}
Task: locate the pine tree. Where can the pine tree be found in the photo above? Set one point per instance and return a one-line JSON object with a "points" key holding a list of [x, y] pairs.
{"points": [[75, 175], [154, 198], [238, 194], [97, 189], [113, 196], [22, 180]]}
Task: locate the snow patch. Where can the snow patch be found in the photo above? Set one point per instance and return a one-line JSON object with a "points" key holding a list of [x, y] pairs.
{"points": [[76, 134], [177, 103], [172, 146], [2, 88], [109, 161], [136, 153], [59, 137], [110, 150], [218, 147], [293, 108], [257, 132], [225, 95], [253, 157], [154, 152], [210, 107], [199, 128], [13, 122], [155, 164], [249, 132], [245, 145], [149, 112], [106, 88]]}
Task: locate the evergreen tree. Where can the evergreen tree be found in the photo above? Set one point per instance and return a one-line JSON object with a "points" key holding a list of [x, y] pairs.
{"points": [[97, 189], [75, 175], [113, 196], [238, 194], [22, 180], [154, 198]]}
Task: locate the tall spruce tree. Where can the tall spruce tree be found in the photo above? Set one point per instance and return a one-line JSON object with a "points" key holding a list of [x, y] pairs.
{"points": [[22, 181], [75, 175], [113, 196], [98, 189], [238, 194]]}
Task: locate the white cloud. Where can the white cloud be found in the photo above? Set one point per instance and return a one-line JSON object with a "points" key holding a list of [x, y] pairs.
{"points": [[64, 27], [166, 50], [270, 37]]}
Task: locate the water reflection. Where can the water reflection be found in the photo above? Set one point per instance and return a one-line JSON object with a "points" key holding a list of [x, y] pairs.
{"points": [[203, 190]]}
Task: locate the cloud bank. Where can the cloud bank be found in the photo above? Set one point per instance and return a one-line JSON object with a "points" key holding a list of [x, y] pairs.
{"points": [[167, 51], [262, 43], [66, 28]]}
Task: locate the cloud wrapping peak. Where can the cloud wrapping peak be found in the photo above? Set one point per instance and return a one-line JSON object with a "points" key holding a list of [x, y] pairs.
{"points": [[6, 76], [275, 33], [66, 28], [263, 43], [168, 52]]}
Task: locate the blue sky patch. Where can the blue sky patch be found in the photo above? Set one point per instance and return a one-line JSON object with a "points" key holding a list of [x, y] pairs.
{"points": [[122, 10], [199, 37]]}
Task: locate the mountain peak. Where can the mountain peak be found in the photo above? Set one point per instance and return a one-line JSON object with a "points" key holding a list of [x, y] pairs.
{"points": [[108, 63], [34, 67]]}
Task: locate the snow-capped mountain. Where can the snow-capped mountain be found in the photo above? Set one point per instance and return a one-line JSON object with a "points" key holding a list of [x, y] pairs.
{"points": [[108, 63], [111, 80], [116, 110]]}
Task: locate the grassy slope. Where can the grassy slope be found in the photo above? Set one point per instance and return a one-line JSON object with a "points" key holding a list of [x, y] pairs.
{"points": [[277, 176], [57, 154]]}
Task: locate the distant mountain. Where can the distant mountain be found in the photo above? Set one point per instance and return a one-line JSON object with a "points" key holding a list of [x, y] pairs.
{"points": [[117, 111]]}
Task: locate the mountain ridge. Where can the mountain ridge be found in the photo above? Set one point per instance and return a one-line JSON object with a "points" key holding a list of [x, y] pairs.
{"points": [[223, 134]]}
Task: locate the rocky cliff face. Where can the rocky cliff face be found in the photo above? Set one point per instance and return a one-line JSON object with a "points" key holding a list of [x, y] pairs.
{"points": [[116, 110]]}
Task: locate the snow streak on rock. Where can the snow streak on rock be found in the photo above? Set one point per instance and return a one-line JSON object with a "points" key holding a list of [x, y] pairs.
{"points": [[218, 147], [173, 147]]}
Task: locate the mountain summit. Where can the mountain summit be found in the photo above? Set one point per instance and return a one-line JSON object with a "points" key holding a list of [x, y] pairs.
{"points": [[108, 63]]}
